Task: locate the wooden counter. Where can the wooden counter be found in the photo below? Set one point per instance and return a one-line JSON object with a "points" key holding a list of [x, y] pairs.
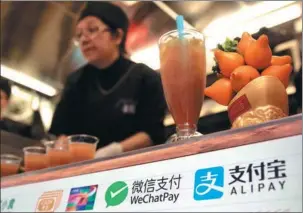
{"points": [[212, 143]]}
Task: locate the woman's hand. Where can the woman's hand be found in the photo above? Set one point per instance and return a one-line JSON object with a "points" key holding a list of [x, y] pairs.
{"points": [[137, 141], [62, 138], [109, 150]]}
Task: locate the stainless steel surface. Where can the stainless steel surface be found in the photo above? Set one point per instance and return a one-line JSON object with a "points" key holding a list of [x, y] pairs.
{"points": [[35, 36]]}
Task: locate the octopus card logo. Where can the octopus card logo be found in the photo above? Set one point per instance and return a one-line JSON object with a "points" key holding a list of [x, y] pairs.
{"points": [[82, 198], [49, 201]]}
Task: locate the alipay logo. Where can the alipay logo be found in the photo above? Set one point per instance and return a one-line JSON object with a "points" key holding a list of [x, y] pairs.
{"points": [[209, 183]]}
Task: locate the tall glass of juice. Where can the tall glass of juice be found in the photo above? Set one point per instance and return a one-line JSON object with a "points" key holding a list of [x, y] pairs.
{"points": [[35, 158], [82, 147], [57, 152], [183, 75], [9, 164]]}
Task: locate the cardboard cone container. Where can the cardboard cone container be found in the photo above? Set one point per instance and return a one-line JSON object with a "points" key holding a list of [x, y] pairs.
{"points": [[261, 100]]}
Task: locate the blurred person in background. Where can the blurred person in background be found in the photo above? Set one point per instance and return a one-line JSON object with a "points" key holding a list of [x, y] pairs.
{"points": [[112, 98], [5, 93], [7, 124], [33, 131]]}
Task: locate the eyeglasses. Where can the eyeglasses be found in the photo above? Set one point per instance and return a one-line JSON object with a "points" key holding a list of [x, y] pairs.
{"points": [[90, 32]]}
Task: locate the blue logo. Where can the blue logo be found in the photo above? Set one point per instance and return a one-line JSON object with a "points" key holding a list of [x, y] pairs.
{"points": [[209, 183]]}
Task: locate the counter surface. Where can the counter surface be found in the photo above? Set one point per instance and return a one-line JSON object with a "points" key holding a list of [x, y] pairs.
{"points": [[289, 126], [13, 144]]}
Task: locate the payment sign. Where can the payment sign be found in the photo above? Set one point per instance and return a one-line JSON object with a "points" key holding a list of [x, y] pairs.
{"points": [[209, 183], [116, 193], [49, 201], [82, 198]]}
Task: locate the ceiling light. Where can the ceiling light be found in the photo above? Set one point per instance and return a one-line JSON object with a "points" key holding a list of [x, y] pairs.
{"points": [[250, 19], [148, 56], [129, 3], [298, 25], [244, 15], [20, 93], [35, 103], [27, 81]]}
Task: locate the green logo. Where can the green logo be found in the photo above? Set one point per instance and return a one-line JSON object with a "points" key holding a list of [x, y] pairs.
{"points": [[7, 204], [116, 193]]}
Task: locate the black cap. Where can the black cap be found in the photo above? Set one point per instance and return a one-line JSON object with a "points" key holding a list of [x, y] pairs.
{"points": [[110, 14], [5, 86]]}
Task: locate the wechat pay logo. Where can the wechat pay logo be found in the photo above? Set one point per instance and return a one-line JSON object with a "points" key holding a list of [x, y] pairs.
{"points": [[116, 193]]}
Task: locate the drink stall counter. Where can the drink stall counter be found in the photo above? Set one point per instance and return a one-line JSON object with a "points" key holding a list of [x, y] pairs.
{"points": [[256, 168]]}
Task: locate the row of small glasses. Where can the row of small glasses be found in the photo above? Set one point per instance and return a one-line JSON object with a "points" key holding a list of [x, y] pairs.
{"points": [[10, 164], [54, 153]]}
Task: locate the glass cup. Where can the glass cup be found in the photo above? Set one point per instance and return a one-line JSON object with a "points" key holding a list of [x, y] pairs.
{"points": [[9, 164], [183, 76], [82, 147], [35, 158], [57, 152]]}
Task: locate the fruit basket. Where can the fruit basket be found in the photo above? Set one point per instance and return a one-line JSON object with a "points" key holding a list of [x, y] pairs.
{"points": [[251, 81]]}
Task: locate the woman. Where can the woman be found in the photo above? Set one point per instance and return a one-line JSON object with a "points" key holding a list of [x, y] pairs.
{"points": [[113, 98]]}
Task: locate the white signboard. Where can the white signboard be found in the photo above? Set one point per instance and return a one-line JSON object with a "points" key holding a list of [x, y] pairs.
{"points": [[263, 177]]}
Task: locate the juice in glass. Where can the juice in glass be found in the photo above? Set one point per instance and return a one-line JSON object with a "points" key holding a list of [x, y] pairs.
{"points": [[35, 158], [58, 157], [57, 153], [9, 164], [183, 75], [82, 147]]}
